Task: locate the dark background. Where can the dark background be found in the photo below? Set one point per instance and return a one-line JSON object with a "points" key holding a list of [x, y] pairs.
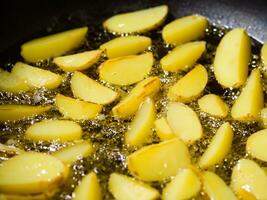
{"points": [[22, 20]]}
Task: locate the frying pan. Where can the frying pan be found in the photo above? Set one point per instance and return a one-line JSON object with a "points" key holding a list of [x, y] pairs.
{"points": [[24, 20]]}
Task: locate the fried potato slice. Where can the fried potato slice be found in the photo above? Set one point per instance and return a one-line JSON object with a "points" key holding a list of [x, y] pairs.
{"points": [[140, 129], [31, 173], [53, 45], [183, 56], [125, 46], [190, 86], [249, 103], [185, 29], [78, 61], [88, 89], [158, 161], [36, 77], [163, 129], [184, 122], [47, 130], [76, 109], [123, 187], [147, 19], [231, 59], [128, 106], [126, 70], [17, 112]]}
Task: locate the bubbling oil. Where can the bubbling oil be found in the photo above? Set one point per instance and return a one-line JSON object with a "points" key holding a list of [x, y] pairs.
{"points": [[107, 133]]}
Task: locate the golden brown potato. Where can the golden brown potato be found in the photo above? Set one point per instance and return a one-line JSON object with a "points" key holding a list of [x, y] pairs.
{"points": [[158, 161], [126, 70], [147, 19], [185, 29], [53, 45], [232, 58], [190, 86], [183, 56], [124, 46]]}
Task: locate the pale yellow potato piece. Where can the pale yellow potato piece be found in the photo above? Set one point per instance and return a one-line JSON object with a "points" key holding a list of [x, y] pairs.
{"points": [[11, 83], [128, 106], [213, 105], [248, 180], [88, 188], [140, 129], [185, 185], [157, 162], [123, 187], [137, 21], [183, 56], [249, 103], [184, 122], [77, 109], [163, 129], [185, 29], [219, 147], [216, 188], [70, 154], [124, 46], [53, 45], [46, 130], [265, 169], [16, 112], [36, 77], [190, 86], [256, 145], [231, 59], [78, 61], [126, 70], [88, 89], [31, 173], [263, 117], [264, 57]]}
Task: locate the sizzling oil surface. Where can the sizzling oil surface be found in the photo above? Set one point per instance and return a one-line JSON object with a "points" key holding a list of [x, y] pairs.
{"points": [[106, 133]]}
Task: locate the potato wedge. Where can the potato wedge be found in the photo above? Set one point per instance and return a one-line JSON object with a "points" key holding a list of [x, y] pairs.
{"points": [[256, 145], [231, 59], [163, 129], [53, 45], [219, 147], [190, 86], [141, 126], [88, 188], [216, 188], [78, 61], [213, 105], [77, 109], [88, 89], [70, 154], [263, 117], [183, 56], [185, 29], [264, 57], [248, 180], [159, 161], [249, 103], [46, 130], [10, 150], [123, 187], [184, 122], [128, 106], [126, 70], [147, 19], [31, 173], [16, 112], [11, 83], [185, 185], [36, 77], [125, 46]]}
